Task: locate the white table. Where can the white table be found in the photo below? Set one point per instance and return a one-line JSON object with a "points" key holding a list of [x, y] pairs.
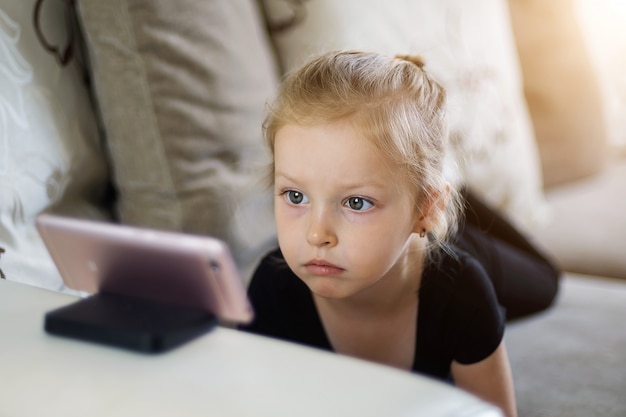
{"points": [[223, 373]]}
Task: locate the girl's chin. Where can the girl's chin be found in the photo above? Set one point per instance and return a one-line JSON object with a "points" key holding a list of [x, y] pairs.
{"points": [[328, 287]]}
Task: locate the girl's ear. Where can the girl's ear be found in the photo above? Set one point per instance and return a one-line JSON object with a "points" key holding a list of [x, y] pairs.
{"points": [[432, 210]]}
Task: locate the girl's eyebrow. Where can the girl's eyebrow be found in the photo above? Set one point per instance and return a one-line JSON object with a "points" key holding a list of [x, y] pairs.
{"points": [[363, 184], [367, 183], [279, 174]]}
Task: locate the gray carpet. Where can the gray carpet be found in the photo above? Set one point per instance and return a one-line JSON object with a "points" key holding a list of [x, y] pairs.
{"points": [[571, 360]]}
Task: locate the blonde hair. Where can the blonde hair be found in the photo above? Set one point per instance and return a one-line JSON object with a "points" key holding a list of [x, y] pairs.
{"points": [[393, 102]]}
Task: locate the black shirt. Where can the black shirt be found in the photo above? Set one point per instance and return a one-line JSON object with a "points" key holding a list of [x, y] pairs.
{"points": [[458, 319]]}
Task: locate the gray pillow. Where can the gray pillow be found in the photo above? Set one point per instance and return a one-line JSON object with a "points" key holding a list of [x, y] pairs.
{"points": [[181, 88]]}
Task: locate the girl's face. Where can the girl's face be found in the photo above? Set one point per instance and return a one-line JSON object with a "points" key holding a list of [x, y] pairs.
{"points": [[343, 216]]}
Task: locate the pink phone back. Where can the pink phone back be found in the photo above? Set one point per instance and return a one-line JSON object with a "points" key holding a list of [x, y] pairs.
{"points": [[190, 270]]}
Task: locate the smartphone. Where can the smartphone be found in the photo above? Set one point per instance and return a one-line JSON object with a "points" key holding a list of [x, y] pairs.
{"points": [[191, 271]]}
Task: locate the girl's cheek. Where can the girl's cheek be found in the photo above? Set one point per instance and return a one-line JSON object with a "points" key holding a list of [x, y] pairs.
{"points": [[288, 212], [359, 218]]}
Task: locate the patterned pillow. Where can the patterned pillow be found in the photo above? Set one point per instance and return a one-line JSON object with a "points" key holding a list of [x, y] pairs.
{"points": [[50, 154], [469, 46]]}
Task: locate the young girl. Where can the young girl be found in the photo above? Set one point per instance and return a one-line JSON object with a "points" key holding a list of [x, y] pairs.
{"points": [[363, 212]]}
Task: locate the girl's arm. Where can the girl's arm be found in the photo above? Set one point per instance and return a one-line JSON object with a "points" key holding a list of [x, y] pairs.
{"points": [[489, 379]]}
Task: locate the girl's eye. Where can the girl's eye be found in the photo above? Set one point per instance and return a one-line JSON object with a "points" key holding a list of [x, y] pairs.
{"points": [[295, 197], [359, 204]]}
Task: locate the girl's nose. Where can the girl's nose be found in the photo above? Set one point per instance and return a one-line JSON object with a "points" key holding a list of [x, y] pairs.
{"points": [[321, 232]]}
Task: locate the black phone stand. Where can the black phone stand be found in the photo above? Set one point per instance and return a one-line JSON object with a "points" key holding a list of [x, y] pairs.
{"points": [[129, 322]]}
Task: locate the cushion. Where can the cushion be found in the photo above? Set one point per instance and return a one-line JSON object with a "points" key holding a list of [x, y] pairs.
{"points": [[588, 233], [181, 88], [469, 47], [50, 155], [562, 89]]}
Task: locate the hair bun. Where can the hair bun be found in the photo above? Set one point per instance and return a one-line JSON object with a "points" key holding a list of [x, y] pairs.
{"points": [[414, 59]]}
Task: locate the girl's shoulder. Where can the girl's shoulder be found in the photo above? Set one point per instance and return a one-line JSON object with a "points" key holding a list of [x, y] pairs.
{"points": [[457, 294], [283, 304], [273, 276], [455, 273]]}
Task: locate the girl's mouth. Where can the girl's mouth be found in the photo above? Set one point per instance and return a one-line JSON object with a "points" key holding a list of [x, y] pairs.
{"points": [[323, 268]]}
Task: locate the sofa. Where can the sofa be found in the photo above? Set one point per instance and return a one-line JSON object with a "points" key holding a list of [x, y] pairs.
{"points": [[148, 112]]}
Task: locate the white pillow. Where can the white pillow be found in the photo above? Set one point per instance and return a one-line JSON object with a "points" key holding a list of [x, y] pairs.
{"points": [[470, 48], [49, 151]]}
